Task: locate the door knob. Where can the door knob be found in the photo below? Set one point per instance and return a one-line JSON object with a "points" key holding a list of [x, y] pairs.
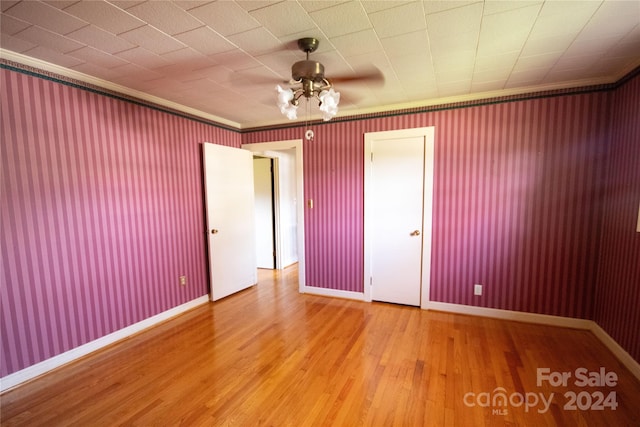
{"points": [[214, 231], [415, 233]]}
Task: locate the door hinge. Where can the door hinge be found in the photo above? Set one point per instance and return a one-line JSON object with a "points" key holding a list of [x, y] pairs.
{"points": [[372, 157]]}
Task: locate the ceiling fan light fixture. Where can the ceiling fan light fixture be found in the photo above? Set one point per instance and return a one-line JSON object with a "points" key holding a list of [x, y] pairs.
{"points": [[286, 103], [329, 100], [308, 76]]}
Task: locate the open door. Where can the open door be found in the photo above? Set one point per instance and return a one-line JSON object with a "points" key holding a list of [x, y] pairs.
{"points": [[229, 198]]}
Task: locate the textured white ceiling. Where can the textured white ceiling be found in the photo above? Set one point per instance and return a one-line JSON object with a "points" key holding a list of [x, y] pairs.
{"points": [[222, 59]]}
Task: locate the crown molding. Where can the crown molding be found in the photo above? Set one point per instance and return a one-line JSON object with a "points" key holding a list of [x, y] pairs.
{"points": [[87, 81]]}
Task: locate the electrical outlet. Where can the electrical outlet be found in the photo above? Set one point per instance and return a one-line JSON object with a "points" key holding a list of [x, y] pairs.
{"points": [[477, 289], [183, 280]]}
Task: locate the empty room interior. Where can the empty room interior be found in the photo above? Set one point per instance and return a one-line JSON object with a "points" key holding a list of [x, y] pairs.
{"points": [[331, 213]]}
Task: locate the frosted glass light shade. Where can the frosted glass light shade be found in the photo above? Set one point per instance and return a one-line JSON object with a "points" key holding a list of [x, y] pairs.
{"points": [[284, 103], [329, 100]]}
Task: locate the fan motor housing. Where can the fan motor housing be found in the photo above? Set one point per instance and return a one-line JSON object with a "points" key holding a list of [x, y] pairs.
{"points": [[307, 70]]}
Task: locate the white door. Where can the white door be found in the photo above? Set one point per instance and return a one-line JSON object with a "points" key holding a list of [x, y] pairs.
{"points": [[229, 200], [397, 196], [263, 184]]}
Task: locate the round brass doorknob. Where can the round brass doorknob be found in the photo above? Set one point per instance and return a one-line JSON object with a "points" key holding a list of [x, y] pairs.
{"points": [[214, 231], [415, 233]]}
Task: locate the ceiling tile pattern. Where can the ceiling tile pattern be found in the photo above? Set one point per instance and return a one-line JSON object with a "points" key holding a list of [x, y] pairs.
{"points": [[223, 58]]}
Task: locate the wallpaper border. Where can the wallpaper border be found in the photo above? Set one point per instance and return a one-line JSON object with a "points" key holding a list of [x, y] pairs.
{"points": [[39, 73], [78, 84], [578, 90]]}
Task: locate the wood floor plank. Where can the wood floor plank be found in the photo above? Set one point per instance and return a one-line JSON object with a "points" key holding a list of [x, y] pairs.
{"points": [[271, 356]]}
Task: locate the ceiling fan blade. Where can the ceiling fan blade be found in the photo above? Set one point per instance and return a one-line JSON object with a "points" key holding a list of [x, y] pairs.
{"points": [[372, 75], [241, 80], [349, 98]]}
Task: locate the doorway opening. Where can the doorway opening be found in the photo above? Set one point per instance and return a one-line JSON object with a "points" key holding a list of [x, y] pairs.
{"points": [[266, 211], [288, 202]]}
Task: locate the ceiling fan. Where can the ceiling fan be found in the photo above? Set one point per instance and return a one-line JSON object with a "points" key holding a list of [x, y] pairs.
{"points": [[308, 80]]}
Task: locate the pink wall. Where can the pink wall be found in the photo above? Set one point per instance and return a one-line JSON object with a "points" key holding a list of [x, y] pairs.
{"points": [[101, 212], [536, 199], [516, 187], [516, 202], [617, 301]]}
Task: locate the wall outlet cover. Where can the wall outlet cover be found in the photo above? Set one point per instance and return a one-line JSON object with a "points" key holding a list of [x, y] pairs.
{"points": [[477, 289]]}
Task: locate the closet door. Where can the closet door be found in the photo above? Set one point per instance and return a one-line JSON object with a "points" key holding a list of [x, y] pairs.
{"points": [[398, 194]]}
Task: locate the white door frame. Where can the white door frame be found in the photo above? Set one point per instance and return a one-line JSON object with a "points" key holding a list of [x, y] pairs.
{"points": [[428, 134], [263, 148]]}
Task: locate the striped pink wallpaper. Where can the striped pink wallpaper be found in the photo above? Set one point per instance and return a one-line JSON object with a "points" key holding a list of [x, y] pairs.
{"points": [[517, 189], [334, 180], [617, 298], [102, 210], [101, 213]]}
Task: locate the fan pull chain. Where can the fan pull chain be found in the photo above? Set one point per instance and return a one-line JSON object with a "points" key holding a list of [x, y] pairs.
{"points": [[309, 133]]}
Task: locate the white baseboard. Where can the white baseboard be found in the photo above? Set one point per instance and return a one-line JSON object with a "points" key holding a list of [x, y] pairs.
{"points": [[519, 316], [359, 296], [47, 365], [623, 356], [543, 319]]}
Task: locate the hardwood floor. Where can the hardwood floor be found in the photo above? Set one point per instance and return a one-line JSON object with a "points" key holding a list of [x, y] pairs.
{"points": [[271, 356]]}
